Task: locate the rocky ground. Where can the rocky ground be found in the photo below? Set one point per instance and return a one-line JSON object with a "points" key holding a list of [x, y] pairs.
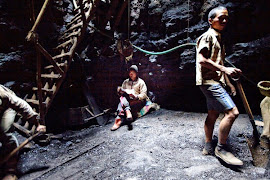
{"points": [[165, 144]]}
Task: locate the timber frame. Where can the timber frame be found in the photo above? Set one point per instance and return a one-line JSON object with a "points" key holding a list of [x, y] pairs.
{"points": [[49, 78]]}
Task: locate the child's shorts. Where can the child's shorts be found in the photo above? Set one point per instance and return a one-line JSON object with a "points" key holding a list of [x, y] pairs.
{"points": [[217, 98]]}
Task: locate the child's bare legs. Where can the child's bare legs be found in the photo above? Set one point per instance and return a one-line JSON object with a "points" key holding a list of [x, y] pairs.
{"points": [[209, 125], [226, 124]]}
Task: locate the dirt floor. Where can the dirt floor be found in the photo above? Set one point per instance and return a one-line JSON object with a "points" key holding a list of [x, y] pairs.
{"points": [[162, 145]]}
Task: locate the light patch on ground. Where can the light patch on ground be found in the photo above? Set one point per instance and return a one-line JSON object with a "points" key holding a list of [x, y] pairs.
{"points": [[197, 170], [139, 159]]}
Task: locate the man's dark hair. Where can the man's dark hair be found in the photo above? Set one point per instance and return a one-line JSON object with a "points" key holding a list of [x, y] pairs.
{"points": [[212, 14]]}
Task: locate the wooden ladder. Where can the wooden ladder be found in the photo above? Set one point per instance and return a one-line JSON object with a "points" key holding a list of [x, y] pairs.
{"points": [[50, 76], [51, 73]]}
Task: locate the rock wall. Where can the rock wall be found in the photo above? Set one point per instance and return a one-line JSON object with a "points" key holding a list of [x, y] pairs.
{"points": [[156, 25], [159, 25]]}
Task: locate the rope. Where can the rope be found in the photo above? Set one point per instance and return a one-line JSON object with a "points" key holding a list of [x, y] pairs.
{"points": [[163, 52], [183, 45]]}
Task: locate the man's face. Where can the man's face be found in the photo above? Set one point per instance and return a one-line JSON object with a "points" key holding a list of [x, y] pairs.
{"points": [[220, 21], [132, 75]]}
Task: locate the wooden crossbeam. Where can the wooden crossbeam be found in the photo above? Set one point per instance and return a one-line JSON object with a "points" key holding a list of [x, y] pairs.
{"points": [[50, 58]]}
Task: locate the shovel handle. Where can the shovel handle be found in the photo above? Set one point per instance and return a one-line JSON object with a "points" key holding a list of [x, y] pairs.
{"points": [[20, 147], [248, 110]]}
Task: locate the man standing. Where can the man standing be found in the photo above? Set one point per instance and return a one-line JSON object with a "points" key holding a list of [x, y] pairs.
{"points": [[211, 77], [133, 95], [10, 105]]}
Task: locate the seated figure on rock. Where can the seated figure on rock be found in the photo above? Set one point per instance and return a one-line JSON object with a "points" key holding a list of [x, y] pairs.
{"points": [[133, 96]]}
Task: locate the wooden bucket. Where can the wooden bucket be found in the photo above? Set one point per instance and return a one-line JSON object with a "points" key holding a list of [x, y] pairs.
{"points": [[77, 116], [264, 87]]}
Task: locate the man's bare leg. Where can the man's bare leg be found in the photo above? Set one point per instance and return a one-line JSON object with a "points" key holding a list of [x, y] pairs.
{"points": [[224, 130], [226, 124], [209, 124]]}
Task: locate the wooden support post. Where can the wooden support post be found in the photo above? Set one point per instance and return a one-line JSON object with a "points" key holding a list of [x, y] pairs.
{"points": [[75, 4], [39, 85], [119, 15], [29, 36], [82, 11]]}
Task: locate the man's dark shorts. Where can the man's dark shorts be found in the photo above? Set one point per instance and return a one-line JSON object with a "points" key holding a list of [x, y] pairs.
{"points": [[217, 98]]}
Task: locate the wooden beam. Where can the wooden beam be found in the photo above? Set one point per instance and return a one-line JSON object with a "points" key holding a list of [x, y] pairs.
{"points": [[22, 129], [75, 4], [39, 85], [119, 15], [89, 112], [100, 114], [30, 36], [67, 36], [259, 123], [49, 57], [51, 76], [63, 45], [61, 55]]}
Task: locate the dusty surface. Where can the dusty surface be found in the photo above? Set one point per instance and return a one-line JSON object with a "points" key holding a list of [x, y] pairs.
{"points": [[162, 145]]}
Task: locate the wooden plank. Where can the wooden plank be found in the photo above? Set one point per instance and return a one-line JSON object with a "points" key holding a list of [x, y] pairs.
{"points": [[61, 55], [67, 36], [259, 123], [64, 44], [80, 24], [74, 20], [58, 64], [52, 76], [43, 89], [100, 114], [32, 101]]}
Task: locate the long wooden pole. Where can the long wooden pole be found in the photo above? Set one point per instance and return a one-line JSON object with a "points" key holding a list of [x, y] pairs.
{"points": [[40, 15], [19, 147], [248, 110]]}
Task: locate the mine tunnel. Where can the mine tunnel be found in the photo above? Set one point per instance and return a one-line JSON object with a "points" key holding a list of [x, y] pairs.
{"points": [[66, 59]]}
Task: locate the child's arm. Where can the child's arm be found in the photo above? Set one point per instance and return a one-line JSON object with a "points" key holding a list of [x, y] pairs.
{"points": [[233, 90], [208, 63]]}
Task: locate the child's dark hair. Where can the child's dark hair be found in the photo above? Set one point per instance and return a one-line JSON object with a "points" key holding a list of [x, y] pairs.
{"points": [[212, 14]]}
